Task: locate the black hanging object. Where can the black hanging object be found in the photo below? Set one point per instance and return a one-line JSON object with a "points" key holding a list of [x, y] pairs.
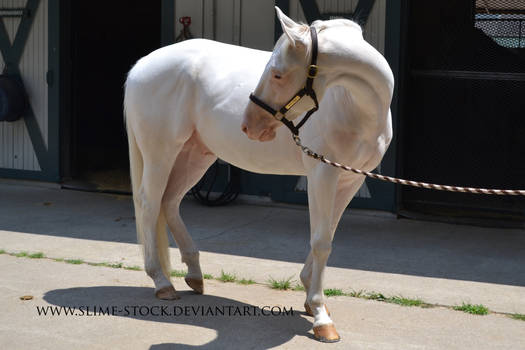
{"points": [[13, 99]]}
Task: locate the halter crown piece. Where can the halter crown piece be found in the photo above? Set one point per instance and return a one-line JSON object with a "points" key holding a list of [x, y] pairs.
{"points": [[307, 90]]}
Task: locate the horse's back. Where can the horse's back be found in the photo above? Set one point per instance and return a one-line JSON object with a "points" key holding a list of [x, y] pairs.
{"points": [[189, 73], [194, 60]]}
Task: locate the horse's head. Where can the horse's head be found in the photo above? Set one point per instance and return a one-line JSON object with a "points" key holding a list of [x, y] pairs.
{"points": [[284, 75]]}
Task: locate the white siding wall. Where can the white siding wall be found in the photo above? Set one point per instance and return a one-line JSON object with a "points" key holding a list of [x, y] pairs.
{"points": [[251, 23], [248, 23], [16, 149]]}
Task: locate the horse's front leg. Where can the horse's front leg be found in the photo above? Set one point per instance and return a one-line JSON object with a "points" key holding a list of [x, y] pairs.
{"points": [[329, 193]]}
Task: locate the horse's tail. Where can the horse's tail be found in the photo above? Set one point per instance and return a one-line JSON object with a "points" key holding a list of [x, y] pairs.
{"points": [[136, 171]]}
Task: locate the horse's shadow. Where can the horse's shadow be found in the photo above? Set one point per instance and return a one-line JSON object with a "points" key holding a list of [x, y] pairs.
{"points": [[233, 331]]}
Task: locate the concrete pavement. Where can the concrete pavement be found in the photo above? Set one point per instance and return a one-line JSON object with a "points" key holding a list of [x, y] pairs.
{"points": [[362, 324], [439, 263]]}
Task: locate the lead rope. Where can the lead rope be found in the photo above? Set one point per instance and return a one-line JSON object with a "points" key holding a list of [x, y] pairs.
{"points": [[395, 180]]}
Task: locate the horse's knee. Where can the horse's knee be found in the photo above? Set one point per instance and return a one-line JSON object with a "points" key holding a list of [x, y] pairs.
{"points": [[321, 248], [171, 206], [145, 202]]}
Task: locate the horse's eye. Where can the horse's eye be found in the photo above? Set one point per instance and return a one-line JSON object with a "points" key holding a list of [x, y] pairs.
{"points": [[277, 76]]}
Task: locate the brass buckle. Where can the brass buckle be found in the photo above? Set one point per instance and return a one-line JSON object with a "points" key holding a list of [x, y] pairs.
{"points": [[312, 71]]}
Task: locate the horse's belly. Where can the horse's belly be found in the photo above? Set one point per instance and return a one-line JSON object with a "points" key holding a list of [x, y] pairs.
{"points": [[274, 157]]}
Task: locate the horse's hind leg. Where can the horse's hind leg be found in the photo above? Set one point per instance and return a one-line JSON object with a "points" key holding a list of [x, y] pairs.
{"points": [[190, 165], [151, 223]]}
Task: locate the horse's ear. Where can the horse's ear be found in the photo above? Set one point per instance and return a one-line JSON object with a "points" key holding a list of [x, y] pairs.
{"points": [[294, 31]]}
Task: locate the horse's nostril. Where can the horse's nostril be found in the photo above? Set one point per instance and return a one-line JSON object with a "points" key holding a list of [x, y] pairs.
{"points": [[244, 129]]}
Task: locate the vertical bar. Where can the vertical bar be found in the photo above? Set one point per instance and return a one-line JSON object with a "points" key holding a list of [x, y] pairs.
{"points": [[311, 10], [167, 22], [52, 166], [237, 13], [394, 28], [362, 11], [519, 37]]}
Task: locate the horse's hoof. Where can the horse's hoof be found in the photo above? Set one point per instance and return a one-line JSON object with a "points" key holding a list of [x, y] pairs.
{"points": [[196, 284], [167, 293], [326, 333], [309, 310]]}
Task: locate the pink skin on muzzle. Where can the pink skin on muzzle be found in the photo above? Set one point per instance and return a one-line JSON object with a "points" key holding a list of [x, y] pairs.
{"points": [[258, 124]]}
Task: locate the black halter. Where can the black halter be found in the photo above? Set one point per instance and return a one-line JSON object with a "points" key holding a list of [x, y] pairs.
{"points": [[307, 90]]}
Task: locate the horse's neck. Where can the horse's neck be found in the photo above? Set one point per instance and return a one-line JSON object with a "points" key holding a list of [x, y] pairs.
{"points": [[352, 110], [362, 94]]}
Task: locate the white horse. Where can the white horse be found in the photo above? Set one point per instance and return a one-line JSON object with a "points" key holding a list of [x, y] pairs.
{"points": [[187, 104]]}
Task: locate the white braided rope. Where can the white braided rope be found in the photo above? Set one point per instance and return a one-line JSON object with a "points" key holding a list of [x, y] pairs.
{"points": [[491, 191]]}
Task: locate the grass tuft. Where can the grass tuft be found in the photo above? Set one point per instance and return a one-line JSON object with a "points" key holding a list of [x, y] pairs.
{"points": [[375, 296], [178, 273], [106, 264], [207, 276], [283, 284], [21, 254], [357, 293], [133, 268], [38, 255], [406, 301], [246, 281], [298, 287], [520, 317], [331, 292], [2, 251], [472, 309], [74, 261], [227, 277]]}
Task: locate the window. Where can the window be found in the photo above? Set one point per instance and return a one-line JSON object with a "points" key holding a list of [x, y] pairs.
{"points": [[502, 20]]}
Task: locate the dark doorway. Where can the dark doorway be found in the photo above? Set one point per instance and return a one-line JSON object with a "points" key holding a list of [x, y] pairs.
{"points": [[463, 122], [106, 38]]}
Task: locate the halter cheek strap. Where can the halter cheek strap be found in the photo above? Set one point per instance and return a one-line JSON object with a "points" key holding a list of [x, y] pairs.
{"points": [[307, 90]]}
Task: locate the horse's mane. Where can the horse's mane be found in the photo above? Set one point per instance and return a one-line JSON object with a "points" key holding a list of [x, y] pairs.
{"points": [[321, 25], [339, 22]]}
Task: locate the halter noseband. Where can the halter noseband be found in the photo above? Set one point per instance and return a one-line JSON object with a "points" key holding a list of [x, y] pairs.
{"points": [[307, 90]]}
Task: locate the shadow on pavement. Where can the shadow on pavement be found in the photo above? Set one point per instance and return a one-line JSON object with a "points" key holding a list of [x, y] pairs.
{"points": [[233, 332], [362, 242]]}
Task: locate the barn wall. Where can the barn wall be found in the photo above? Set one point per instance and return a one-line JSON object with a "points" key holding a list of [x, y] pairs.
{"points": [[238, 22], [16, 148], [251, 23]]}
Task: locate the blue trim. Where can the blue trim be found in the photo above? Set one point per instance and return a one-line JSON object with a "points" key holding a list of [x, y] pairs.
{"points": [[26, 175]]}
